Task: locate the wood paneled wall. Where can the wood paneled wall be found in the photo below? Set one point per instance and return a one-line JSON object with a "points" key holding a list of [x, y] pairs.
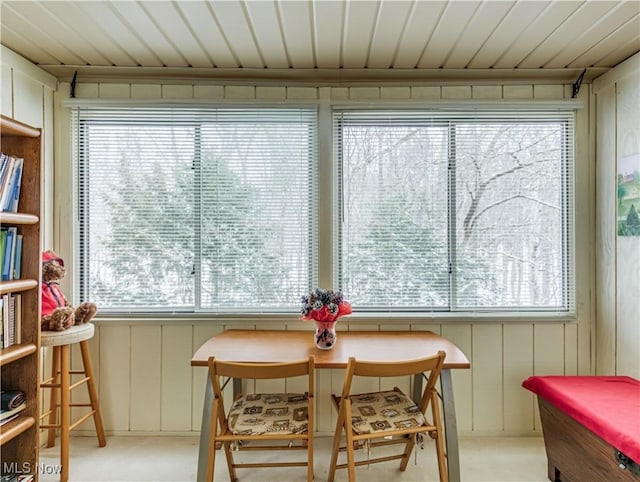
{"points": [[146, 384], [617, 98]]}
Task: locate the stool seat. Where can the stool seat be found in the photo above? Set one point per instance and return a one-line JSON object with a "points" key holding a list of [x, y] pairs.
{"points": [[75, 334]]}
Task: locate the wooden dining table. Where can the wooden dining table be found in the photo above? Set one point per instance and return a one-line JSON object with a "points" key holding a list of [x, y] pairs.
{"points": [[269, 346]]}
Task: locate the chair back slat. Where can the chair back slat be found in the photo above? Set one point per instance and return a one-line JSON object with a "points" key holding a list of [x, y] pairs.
{"points": [[397, 369], [261, 371]]}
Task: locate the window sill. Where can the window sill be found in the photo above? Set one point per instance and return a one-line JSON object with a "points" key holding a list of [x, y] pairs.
{"points": [[292, 320]]}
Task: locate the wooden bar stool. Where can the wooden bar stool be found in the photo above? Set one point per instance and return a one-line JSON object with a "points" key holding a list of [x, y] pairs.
{"points": [[60, 381]]}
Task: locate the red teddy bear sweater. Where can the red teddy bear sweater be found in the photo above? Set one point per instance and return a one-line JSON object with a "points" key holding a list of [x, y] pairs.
{"points": [[52, 298]]}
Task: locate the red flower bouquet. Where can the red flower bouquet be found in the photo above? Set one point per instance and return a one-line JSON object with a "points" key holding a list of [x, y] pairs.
{"points": [[324, 305]]}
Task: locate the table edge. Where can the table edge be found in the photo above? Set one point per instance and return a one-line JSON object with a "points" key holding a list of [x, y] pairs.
{"points": [[320, 364]]}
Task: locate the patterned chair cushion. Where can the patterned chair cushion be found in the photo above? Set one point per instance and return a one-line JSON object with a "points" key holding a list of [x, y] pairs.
{"points": [[384, 411], [261, 413]]}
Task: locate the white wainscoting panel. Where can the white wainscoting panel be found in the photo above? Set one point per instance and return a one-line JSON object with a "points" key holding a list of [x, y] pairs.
{"points": [[115, 372], [146, 376], [176, 392], [488, 377], [518, 365]]}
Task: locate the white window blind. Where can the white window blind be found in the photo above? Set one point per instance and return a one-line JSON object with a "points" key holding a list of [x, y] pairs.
{"points": [[455, 211], [196, 209]]}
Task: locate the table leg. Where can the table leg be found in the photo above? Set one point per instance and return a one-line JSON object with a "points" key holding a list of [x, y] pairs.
{"points": [[203, 453], [449, 415], [450, 426], [417, 388]]}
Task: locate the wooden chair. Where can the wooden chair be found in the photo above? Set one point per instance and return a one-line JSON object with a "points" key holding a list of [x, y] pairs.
{"points": [[388, 417], [271, 421]]}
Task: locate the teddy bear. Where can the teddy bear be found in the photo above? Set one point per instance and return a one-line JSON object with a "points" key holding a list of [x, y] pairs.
{"points": [[57, 313]]}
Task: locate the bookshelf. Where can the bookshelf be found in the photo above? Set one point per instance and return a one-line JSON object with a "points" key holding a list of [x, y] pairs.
{"points": [[19, 363]]}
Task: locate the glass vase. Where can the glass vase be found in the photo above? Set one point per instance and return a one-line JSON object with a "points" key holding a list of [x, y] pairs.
{"points": [[325, 336]]}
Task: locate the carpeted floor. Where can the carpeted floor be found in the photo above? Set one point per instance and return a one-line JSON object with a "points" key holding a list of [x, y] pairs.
{"points": [[134, 458]]}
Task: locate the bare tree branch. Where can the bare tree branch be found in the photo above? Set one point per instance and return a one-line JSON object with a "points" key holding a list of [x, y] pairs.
{"points": [[498, 203]]}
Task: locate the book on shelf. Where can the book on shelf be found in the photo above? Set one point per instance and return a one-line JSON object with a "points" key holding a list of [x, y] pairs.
{"points": [[8, 419], [8, 415], [6, 313], [3, 245], [11, 324], [11, 179], [17, 270], [18, 320], [10, 253], [12, 402], [4, 170], [12, 205], [11, 320]]}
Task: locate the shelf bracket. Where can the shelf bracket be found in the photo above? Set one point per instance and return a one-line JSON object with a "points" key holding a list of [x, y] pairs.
{"points": [[73, 85], [577, 84]]}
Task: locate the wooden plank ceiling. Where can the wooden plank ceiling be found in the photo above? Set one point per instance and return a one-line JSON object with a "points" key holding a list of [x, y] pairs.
{"points": [[329, 40]]}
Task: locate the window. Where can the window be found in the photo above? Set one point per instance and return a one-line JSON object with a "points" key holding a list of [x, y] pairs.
{"points": [[453, 211], [214, 210], [196, 209]]}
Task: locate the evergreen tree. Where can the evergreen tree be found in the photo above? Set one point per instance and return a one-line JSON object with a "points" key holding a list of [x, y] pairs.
{"points": [[633, 222]]}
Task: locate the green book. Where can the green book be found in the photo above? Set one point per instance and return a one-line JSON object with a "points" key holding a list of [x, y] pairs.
{"points": [[3, 244]]}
